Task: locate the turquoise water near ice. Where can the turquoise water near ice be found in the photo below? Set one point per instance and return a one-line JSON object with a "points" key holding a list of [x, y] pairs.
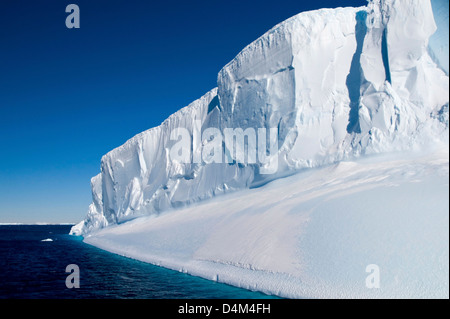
{"points": [[36, 269]]}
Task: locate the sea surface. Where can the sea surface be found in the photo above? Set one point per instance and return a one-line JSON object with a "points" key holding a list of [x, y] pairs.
{"points": [[31, 268]]}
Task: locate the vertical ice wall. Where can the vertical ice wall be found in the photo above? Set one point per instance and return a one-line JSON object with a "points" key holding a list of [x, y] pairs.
{"points": [[333, 82], [401, 85], [438, 44]]}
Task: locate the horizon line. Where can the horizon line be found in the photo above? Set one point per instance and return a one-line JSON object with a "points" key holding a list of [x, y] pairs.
{"points": [[36, 223]]}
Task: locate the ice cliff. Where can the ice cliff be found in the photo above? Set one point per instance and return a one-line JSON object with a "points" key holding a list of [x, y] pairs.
{"points": [[335, 83]]}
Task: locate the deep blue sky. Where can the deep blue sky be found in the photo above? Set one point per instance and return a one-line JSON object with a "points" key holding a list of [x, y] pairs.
{"points": [[68, 96]]}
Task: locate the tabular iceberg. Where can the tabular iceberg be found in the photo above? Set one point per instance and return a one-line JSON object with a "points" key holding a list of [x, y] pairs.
{"points": [[336, 84]]}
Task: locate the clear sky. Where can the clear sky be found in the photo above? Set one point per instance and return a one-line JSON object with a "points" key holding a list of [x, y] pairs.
{"points": [[68, 96]]}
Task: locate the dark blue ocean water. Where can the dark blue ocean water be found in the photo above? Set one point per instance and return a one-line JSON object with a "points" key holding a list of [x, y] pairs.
{"points": [[31, 268]]}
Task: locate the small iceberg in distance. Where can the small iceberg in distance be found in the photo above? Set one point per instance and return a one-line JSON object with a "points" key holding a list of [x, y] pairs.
{"points": [[47, 239]]}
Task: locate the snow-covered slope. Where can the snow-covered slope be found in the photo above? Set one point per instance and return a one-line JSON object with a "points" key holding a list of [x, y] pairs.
{"points": [[334, 85], [311, 235]]}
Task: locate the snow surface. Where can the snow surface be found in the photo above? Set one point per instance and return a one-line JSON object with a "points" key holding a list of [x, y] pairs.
{"points": [[311, 235], [339, 85]]}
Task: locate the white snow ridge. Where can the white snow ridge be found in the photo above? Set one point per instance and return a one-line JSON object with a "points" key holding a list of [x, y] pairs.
{"points": [[359, 98]]}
